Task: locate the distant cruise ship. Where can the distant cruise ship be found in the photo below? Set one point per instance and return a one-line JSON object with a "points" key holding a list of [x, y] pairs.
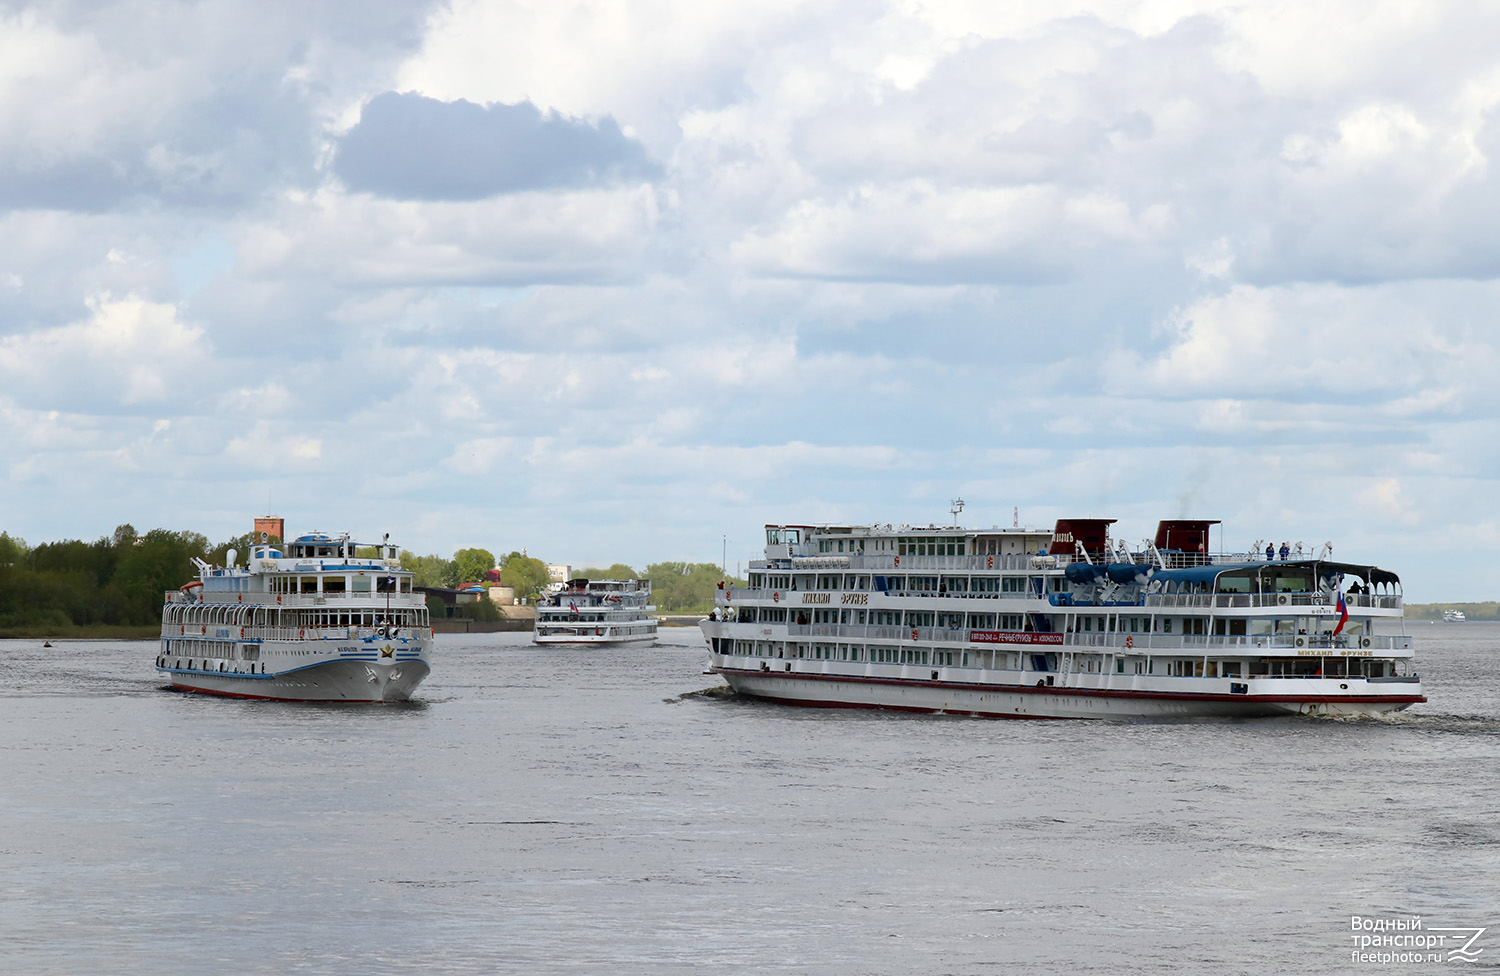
{"points": [[1026, 623], [597, 612]]}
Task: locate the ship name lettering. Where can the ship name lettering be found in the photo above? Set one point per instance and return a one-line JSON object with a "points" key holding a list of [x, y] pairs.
{"points": [[815, 598], [855, 598]]}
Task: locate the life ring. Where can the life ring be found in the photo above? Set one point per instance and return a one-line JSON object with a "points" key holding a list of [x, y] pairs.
{"points": [[242, 632], [241, 598], [775, 597], [278, 598], [203, 630], [1129, 641], [990, 563], [301, 633], [898, 560], [914, 633]]}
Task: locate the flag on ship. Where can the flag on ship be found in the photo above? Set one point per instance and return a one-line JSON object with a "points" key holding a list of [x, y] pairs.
{"points": [[1343, 614]]}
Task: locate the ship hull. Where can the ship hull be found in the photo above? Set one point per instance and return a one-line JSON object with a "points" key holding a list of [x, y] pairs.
{"points": [[1032, 701], [326, 681], [605, 638]]}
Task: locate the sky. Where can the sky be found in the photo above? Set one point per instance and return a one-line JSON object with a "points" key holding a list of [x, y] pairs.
{"points": [[624, 281]]}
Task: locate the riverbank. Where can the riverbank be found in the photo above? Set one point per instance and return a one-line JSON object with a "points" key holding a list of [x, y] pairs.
{"points": [[83, 632], [1434, 611], [463, 625]]}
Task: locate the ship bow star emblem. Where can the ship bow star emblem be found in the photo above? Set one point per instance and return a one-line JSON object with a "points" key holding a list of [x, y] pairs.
{"points": [[387, 651]]}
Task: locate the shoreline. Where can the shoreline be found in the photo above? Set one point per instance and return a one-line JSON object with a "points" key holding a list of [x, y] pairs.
{"points": [[84, 632]]}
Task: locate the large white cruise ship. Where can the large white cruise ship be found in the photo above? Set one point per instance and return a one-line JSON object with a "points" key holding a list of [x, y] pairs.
{"points": [[321, 618], [597, 612], [1026, 623]]}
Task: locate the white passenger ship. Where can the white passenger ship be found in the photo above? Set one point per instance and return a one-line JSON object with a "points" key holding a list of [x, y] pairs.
{"points": [[597, 612], [1064, 624], [319, 619]]}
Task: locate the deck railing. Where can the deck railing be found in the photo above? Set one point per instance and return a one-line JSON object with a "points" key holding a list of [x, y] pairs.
{"points": [[362, 601], [792, 599], [1116, 642]]}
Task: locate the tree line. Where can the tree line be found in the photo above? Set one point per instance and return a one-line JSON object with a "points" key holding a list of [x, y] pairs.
{"points": [[119, 579], [676, 587], [116, 580]]}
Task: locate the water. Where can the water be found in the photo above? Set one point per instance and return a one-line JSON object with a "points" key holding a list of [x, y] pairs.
{"points": [[596, 811]]}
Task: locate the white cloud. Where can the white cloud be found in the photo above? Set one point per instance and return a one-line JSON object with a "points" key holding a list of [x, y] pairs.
{"points": [[1318, 342], [517, 239], [128, 354], [913, 231]]}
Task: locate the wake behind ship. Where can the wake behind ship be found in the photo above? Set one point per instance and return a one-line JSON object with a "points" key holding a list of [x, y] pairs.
{"points": [[319, 619], [1025, 623]]}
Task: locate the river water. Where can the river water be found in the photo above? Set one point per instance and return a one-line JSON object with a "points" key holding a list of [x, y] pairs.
{"points": [[600, 811]]}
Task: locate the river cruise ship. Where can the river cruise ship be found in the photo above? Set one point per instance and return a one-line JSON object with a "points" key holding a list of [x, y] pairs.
{"points": [[1027, 623], [321, 618], [597, 612]]}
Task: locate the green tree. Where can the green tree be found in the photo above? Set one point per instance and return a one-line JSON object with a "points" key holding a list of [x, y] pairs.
{"points": [[241, 544], [480, 609], [118, 579], [470, 565], [163, 560], [685, 587], [617, 571], [12, 550], [525, 575], [429, 570]]}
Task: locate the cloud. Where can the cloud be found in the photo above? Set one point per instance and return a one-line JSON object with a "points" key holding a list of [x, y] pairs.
{"points": [[130, 355], [584, 235], [917, 232], [409, 147], [1306, 343]]}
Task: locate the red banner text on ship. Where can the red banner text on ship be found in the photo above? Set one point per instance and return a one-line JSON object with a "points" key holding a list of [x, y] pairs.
{"points": [[1013, 637]]}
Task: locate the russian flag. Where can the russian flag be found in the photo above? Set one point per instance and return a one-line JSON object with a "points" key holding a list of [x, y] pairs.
{"points": [[1343, 614]]}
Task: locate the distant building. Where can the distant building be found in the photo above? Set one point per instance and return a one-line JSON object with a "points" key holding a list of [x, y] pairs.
{"points": [[560, 574], [503, 596], [270, 526], [451, 598]]}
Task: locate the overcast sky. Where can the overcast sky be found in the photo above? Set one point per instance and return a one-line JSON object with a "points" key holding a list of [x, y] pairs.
{"points": [[611, 281]]}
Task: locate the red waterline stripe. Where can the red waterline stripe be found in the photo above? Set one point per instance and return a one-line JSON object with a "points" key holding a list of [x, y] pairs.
{"points": [[1084, 692]]}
